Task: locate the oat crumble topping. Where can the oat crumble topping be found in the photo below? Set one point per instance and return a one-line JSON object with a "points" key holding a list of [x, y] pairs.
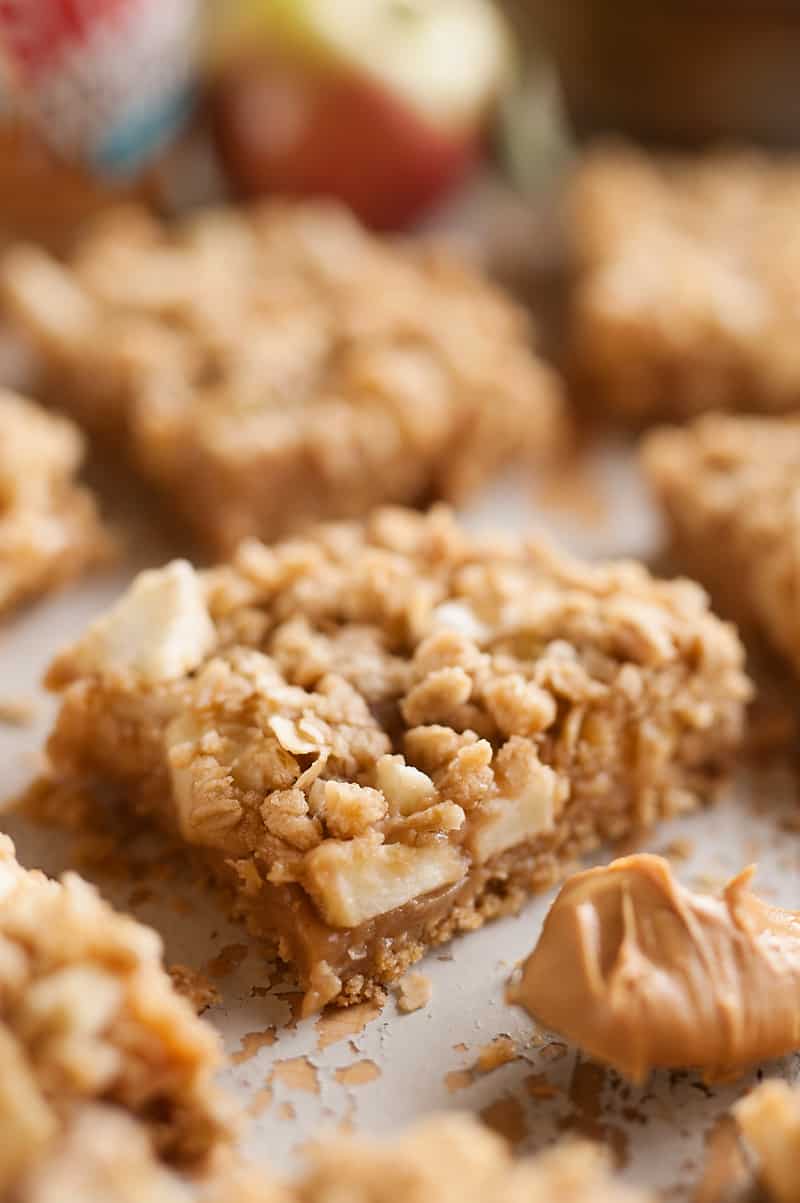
{"points": [[449, 1158], [769, 1120]]}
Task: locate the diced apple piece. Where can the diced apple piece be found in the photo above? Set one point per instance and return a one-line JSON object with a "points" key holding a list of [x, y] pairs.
{"points": [[352, 881], [405, 788], [506, 822], [159, 630]]}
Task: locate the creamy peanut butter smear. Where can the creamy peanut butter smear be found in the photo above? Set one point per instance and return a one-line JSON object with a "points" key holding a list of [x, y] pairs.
{"points": [[642, 973]]}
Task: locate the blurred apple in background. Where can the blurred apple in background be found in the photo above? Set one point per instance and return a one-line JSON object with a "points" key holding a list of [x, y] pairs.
{"points": [[382, 104]]}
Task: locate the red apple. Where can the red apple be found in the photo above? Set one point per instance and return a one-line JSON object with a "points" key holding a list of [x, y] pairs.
{"points": [[382, 104]]}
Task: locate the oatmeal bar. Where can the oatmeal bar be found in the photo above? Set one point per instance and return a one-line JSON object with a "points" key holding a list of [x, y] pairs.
{"points": [[49, 528], [385, 733], [89, 1024], [278, 366], [687, 283], [729, 489]]}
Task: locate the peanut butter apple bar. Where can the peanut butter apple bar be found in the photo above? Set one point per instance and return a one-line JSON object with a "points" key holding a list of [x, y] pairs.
{"points": [[386, 733], [729, 490], [687, 283], [49, 527], [276, 367], [93, 1038]]}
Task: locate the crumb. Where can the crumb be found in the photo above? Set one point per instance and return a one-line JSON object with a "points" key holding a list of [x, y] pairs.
{"points": [[499, 1052], [261, 1101], [333, 1026], [414, 991], [18, 712], [297, 1073], [506, 1116], [358, 1074], [252, 1043], [195, 987], [458, 1079]]}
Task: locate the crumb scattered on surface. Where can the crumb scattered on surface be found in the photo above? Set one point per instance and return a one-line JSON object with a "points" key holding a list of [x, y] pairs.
{"points": [[261, 1101], [194, 986], [506, 1116], [335, 1025], [297, 1073], [458, 1079], [17, 712], [252, 1042], [414, 991], [358, 1074], [498, 1052]]}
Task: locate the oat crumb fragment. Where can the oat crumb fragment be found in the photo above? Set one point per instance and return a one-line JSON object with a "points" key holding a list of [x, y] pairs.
{"points": [[253, 1042], [17, 712], [358, 1074], [458, 1079], [194, 986], [297, 1073], [414, 992], [506, 1116], [333, 1026], [496, 1053]]}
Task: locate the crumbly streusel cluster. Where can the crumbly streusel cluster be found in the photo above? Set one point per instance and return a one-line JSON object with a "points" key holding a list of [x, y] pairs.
{"points": [[368, 710], [449, 1158], [285, 365], [687, 282], [769, 1119], [729, 487], [89, 1021], [49, 528]]}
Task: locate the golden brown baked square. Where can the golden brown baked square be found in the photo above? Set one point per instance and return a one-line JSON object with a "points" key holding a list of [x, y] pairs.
{"points": [[97, 1051], [686, 296], [387, 732], [730, 491], [278, 366]]}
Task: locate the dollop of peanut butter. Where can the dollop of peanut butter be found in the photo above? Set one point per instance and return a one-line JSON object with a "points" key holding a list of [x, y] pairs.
{"points": [[642, 973]]}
